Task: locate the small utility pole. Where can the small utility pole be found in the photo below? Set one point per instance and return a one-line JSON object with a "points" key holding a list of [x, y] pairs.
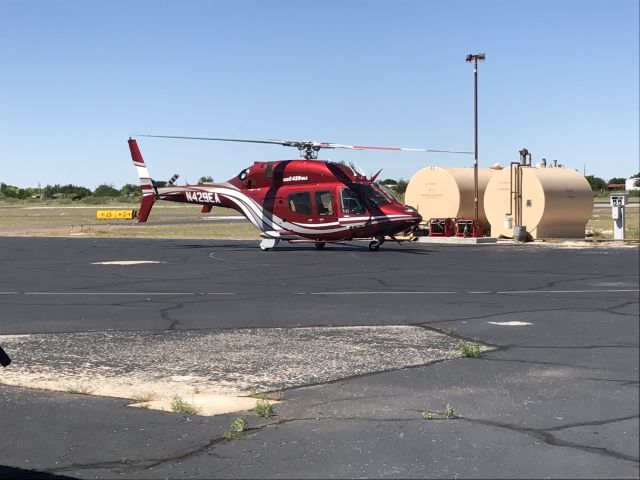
{"points": [[474, 59]]}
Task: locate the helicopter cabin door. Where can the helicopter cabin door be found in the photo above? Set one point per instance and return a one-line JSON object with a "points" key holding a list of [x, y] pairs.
{"points": [[309, 206], [350, 204]]}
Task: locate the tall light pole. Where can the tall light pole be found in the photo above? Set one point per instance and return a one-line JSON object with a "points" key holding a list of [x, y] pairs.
{"points": [[474, 59]]}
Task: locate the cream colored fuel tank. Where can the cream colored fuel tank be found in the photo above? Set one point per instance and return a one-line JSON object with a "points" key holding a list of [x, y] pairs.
{"points": [[555, 202], [438, 192]]}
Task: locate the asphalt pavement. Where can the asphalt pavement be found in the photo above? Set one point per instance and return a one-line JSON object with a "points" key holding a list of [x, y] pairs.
{"points": [[555, 395]]}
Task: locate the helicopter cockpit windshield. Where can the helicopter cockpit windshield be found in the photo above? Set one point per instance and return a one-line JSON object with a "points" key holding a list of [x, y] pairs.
{"points": [[388, 192], [371, 194]]}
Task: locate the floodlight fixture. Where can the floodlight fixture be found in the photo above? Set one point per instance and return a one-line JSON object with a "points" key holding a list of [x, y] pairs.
{"points": [[476, 57]]}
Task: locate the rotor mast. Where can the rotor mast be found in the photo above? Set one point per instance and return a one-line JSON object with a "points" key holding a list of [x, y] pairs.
{"points": [[308, 150]]}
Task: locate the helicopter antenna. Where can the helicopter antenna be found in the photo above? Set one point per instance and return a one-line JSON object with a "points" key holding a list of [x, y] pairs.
{"points": [[359, 169]]}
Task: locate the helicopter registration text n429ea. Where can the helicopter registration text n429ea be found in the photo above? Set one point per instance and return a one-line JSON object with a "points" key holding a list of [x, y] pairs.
{"points": [[300, 201]]}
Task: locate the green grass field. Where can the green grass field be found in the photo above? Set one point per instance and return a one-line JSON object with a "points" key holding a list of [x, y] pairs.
{"points": [[165, 221], [170, 220], [600, 225]]}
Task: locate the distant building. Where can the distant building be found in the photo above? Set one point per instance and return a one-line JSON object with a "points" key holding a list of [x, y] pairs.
{"points": [[628, 184], [615, 186]]}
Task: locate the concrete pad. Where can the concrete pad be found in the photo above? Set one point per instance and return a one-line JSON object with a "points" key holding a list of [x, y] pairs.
{"points": [[217, 366], [458, 240], [206, 403]]}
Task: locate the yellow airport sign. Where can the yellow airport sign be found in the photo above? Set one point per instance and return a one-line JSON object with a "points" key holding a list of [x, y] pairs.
{"points": [[116, 214]]}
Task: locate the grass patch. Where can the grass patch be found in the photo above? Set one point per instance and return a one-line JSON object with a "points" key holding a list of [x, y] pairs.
{"points": [[264, 408], [467, 349], [79, 389], [632, 232], [178, 405], [236, 428], [600, 226], [144, 397]]}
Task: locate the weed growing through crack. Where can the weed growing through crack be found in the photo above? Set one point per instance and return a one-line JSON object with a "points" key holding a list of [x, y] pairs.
{"points": [[179, 405], [236, 428], [448, 413], [264, 408], [273, 396], [468, 349], [429, 415]]}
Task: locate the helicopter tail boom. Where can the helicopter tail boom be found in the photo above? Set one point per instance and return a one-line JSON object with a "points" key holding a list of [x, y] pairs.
{"points": [[146, 183]]}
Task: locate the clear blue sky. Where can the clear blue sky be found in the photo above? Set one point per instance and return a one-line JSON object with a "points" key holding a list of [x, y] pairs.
{"points": [[78, 78]]}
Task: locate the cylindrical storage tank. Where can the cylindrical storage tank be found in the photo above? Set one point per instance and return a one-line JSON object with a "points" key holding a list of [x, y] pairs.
{"points": [[556, 202], [438, 192]]}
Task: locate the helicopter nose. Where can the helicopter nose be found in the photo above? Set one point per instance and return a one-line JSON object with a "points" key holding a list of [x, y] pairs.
{"points": [[416, 218]]}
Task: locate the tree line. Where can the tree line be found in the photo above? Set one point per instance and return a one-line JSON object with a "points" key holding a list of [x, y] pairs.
{"points": [[76, 192], [73, 192], [599, 185]]}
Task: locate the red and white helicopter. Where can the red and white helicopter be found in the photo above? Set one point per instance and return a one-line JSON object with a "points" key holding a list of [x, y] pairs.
{"points": [[300, 201]]}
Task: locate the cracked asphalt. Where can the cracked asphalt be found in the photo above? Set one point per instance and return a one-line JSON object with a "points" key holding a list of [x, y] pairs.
{"points": [[556, 398]]}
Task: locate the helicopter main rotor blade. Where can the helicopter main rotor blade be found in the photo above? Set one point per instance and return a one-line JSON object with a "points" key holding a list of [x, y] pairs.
{"points": [[274, 142], [404, 149], [309, 144]]}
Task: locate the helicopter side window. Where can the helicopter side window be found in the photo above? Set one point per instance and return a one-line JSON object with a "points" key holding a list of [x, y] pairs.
{"points": [[300, 203], [350, 203], [323, 203]]}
